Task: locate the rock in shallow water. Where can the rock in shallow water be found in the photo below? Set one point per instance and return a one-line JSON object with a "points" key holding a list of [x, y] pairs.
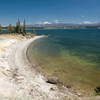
{"points": [[68, 86], [53, 80]]}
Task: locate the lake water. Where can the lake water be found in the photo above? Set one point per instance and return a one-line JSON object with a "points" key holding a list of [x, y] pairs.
{"points": [[73, 55]]}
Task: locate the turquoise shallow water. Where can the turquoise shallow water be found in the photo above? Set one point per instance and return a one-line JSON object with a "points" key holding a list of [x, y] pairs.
{"points": [[73, 55]]}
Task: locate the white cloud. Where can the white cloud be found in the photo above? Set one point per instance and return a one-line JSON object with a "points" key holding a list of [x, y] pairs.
{"points": [[39, 22], [83, 16], [46, 22], [56, 21], [87, 22]]}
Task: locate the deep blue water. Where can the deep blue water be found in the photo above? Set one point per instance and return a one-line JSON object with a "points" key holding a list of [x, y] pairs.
{"points": [[82, 42]]}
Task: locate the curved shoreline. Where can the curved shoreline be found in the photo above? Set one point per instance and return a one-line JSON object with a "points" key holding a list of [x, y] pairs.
{"points": [[27, 80], [20, 79]]}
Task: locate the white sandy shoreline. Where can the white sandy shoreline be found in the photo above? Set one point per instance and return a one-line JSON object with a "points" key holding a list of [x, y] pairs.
{"points": [[19, 80]]}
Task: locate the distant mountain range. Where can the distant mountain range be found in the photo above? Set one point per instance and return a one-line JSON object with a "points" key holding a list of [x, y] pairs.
{"points": [[66, 25]]}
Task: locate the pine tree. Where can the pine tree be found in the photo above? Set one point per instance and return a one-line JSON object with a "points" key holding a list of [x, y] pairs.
{"points": [[24, 27], [0, 29], [18, 26], [13, 29], [10, 28]]}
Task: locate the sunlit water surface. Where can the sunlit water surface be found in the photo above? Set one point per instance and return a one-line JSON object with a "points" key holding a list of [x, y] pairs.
{"points": [[73, 55]]}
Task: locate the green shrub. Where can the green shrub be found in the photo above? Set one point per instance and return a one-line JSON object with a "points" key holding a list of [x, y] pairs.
{"points": [[97, 90]]}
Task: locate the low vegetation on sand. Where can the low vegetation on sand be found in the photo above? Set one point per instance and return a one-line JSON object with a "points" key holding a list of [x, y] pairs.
{"points": [[97, 90]]}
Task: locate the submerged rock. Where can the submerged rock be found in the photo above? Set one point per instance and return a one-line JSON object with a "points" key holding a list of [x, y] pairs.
{"points": [[68, 86], [53, 80]]}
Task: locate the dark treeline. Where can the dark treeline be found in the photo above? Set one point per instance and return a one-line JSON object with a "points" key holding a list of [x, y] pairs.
{"points": [[18, 29]]}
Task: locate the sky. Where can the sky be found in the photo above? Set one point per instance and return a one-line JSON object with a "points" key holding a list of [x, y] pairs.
{"points": [[49, 11]]}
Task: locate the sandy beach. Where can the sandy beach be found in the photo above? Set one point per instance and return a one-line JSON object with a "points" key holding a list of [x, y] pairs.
{"points": [[19, 80]]}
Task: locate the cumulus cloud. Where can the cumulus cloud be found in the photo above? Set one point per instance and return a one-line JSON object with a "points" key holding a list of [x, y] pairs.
{"points": [[83, 16], [46, 22], [56, 21], [87, 22]]}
